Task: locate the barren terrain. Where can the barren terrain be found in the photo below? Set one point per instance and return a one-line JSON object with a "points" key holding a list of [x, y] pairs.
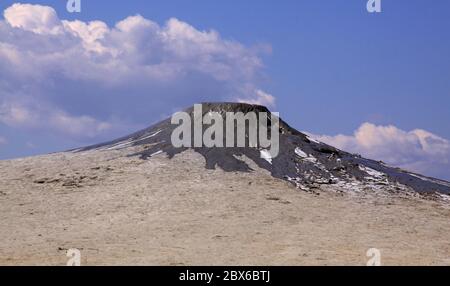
{"points": [[123, 210]]}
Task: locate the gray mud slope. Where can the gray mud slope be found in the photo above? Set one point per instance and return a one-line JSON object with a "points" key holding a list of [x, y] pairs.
{"points": [[301, 160]]}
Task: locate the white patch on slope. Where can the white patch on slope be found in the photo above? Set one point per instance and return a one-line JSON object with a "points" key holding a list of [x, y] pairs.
{"points": [[149, 136], [119, 145], [298, 183], [444, 197], [156, 153], [128, 142], [313, 140], [372, 172], [311, 159], [306, 157], [300, 153]]}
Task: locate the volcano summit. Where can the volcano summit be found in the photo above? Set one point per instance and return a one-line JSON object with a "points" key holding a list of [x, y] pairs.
{"points": [[300, 159]]}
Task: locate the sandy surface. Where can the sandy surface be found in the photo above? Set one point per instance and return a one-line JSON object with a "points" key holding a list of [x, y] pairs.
{"points": [[121, 211]]}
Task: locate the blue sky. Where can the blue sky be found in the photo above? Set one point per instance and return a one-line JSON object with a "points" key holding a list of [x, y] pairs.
{"points": [[330, 66]]}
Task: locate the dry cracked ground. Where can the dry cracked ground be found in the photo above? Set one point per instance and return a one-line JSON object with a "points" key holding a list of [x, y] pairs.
{"points": [[121, 210]]}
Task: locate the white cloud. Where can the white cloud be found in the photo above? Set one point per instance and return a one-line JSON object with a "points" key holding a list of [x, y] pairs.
{"points": [[34, 18], [417, 150], [261, 98], [18, 115], [77, 76]]}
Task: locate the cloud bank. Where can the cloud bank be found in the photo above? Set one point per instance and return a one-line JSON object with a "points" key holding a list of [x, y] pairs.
{"points": [[85, 78], [417, 150]]}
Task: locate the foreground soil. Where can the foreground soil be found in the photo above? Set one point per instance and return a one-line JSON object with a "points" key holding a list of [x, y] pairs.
{"points": [[125, 211]]}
